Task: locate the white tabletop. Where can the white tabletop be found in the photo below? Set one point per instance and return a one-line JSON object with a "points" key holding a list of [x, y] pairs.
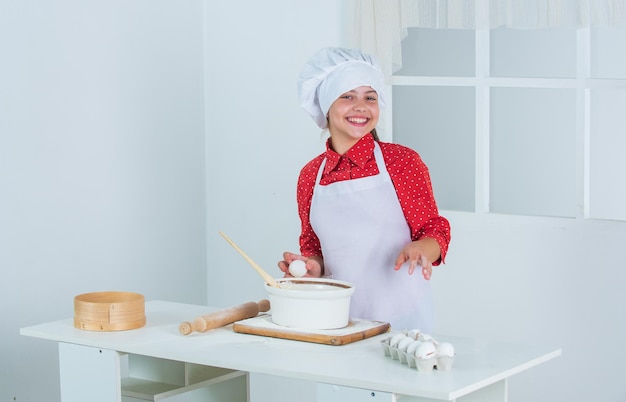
{"points": [[360, 364]]}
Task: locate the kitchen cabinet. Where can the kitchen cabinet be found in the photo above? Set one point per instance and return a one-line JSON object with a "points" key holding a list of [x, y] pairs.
{"points": [[157, 363], [85, 370]]}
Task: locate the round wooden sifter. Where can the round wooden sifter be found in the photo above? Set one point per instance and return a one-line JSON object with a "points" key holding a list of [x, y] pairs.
{"points": [[109, 311]]}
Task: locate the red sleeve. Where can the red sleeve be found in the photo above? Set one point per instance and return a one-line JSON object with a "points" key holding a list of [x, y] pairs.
{"points": [[309, 242], [411, 179]]}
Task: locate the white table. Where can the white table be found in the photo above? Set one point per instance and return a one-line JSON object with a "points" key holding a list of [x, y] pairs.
{"points": [[156, 362]]}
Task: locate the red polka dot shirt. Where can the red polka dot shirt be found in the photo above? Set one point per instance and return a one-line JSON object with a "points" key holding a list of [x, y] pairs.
{"points": [[410, 178]]}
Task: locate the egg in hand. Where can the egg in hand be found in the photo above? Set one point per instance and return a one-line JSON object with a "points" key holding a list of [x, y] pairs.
{"points": [[297, 268]]}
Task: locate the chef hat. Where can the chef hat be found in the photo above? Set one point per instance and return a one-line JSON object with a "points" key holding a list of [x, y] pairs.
{"points": [[332, 72]]}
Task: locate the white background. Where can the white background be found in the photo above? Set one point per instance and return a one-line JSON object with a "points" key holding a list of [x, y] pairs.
{"points": [[131, 132]]}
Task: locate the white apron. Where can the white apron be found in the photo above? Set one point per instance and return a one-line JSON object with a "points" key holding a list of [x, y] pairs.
{"points": [[362, 230]]}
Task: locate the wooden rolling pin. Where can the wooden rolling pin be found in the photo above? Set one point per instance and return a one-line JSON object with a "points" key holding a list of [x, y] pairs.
{"points": [[223, 317]]}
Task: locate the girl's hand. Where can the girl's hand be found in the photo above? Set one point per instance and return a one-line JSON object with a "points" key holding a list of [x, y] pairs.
{"points": [[417, 253], [313, 265]]}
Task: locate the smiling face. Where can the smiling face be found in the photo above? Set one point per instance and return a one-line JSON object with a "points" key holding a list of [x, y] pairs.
{"points": [[353, 115]]}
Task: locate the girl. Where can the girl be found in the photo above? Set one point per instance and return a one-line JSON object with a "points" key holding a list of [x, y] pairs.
{"points": [[367, 209]]}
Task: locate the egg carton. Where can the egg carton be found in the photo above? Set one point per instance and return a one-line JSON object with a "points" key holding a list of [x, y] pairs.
{"points": [[419, 351]]}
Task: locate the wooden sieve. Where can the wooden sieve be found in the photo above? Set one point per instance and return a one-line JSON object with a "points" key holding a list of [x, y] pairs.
{"points": [[109, 311]]}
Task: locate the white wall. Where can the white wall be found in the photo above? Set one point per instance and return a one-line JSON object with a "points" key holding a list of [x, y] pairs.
{"points": [[555, 281], [257, 135], [101, 166]]}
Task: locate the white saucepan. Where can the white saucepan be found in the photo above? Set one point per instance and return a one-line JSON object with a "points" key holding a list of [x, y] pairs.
{"points": [[310, 303]]}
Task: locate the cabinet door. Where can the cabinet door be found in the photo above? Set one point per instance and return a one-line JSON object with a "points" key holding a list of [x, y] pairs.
{"points": [[89, 374]]}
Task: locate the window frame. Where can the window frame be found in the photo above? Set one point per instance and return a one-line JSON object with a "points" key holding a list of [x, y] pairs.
{"points": [[483, 82]]}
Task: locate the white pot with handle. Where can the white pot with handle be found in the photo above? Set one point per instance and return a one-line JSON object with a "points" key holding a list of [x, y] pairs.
{"points": [[310, 303]]}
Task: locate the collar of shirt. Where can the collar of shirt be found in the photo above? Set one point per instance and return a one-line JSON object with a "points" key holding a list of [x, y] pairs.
{"points": [[359, 154]]}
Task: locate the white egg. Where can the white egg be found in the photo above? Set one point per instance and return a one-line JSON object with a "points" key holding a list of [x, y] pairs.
{"points": [[445, 349], [426, 350], [396, 339], [297, 268], [404, 342], [413, 347]]}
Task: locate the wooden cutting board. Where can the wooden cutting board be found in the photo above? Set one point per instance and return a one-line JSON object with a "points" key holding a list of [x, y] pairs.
{"points": [[355, 331]]}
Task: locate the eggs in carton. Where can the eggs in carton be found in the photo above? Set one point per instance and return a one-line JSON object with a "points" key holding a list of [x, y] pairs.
{"points": [[419, 350]]}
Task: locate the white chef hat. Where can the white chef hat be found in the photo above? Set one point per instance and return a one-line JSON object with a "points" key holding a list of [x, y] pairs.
{"points": [[333, 71]]}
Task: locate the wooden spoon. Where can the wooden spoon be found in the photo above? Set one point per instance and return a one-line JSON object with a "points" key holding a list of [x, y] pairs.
{"points": [[268, 278]]}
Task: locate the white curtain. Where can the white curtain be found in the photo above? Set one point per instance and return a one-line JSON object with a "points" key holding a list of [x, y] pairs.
{"points": [[380, 25]]}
